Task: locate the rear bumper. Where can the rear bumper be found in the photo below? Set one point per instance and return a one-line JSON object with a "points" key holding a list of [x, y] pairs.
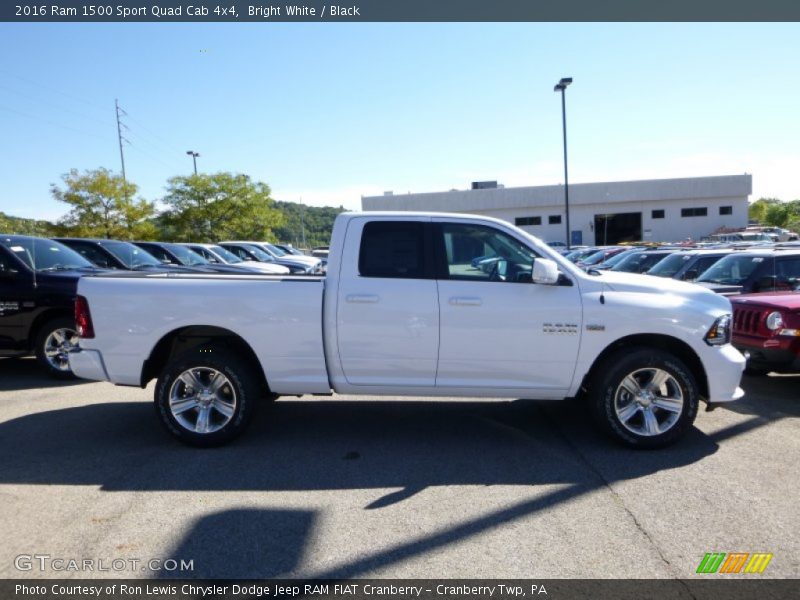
{"points": [[724, 366], [88, 364]]}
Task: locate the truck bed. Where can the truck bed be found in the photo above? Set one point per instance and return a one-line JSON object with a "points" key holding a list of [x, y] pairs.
{"points": [[279, 316]]}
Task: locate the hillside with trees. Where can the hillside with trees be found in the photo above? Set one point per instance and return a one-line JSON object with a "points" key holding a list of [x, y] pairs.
{"points": [[316, 222]]}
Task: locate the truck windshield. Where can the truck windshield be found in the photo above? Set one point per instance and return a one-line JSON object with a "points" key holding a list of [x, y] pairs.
{"points": [[188, 257], [226, 255], [670, 265], [732, 270], [45, 255], [131, 255]]}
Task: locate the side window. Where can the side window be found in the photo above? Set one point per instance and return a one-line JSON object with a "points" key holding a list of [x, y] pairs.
{"points": [[238, 252], [393, 249], [92, 254], [789, 272], [704, 263], [7, 266], [159, 254], [480, 253]]}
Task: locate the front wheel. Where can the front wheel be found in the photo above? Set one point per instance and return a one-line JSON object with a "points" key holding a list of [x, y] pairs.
{"points": [[644, 398], [206, 397]]}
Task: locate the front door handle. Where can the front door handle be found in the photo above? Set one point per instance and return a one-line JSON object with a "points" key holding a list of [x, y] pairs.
{"points": [[361, 298], [465, 301]]}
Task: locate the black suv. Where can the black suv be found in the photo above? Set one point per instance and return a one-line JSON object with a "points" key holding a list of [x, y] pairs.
{"points": [[753, 271], [38, 284]]}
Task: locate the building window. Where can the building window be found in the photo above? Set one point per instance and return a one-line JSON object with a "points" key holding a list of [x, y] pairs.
{"points": [[554, 219], [658, 214], [694, 212], [523, 221], [726, 210]]}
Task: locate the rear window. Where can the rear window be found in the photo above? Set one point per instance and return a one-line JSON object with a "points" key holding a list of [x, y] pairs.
{"points": [[393, 249]]}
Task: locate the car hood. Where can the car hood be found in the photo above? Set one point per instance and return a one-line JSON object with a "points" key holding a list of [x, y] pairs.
{"points": [[726, 289], [789, 300], [620, 281], [298, 260]]}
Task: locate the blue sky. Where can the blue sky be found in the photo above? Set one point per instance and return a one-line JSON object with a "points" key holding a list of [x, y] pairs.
{"points": [[328, 112]]}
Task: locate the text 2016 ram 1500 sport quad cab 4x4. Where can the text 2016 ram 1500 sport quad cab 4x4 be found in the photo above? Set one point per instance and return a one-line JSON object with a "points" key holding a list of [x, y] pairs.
{"points": [[402, 311]]}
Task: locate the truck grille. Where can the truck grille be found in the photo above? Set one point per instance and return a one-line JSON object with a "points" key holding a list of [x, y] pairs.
{"points": [[746, 320]]}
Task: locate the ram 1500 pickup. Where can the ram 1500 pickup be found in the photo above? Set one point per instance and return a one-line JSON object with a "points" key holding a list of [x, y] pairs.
{"points": [[403, 311]]}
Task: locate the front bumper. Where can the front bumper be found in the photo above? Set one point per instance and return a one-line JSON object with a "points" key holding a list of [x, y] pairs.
{"points": [[724, 366], [773, 354], [88, 364]]}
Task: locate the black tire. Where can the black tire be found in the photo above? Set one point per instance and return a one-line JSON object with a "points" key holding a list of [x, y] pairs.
{"points": [[242, 393], [43, 345], [608, 398]]}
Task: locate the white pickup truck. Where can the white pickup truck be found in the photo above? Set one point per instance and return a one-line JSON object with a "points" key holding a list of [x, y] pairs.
{"points": [[420, 304]]}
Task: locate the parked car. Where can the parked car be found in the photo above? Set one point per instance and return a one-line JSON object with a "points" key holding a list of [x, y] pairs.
{"points": [[642, 260], [753, 271], [687, 265], [176, 254], [278, 254], [610, 262], [601, 256], [289, 249], [396, 316], [38, 281], [577, 255], [254, 252], [766, 329], [115, 254], [216, 254]]}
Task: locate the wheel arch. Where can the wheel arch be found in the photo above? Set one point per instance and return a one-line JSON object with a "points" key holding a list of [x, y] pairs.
{"points": [[658, 341], [42, 318], [184, 338]]}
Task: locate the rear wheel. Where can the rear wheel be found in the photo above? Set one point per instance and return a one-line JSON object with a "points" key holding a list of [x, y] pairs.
{"points": [[207, 396], [644, 398], [54, 341]]}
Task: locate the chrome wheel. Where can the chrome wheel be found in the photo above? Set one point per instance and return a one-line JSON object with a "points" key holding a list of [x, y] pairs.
{"points": [[202, 400], [648, 402], [57, 347]]}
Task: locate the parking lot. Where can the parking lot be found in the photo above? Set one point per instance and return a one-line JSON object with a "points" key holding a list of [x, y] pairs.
{"points": [[338, 487]]}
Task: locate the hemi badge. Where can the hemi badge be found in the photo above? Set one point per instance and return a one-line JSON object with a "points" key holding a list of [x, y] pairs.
{"points": [[595, 327]]}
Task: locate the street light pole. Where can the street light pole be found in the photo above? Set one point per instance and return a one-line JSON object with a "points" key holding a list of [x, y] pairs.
{"points": [[561, 86], [194, 156]]}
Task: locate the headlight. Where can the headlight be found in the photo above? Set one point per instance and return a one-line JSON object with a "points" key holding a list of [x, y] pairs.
{"points": [[720, 332], [774, 321]]}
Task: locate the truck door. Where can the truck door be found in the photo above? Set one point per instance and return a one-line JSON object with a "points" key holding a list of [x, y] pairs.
{"points": [[387, 305], [16, 303], [498, 328]]}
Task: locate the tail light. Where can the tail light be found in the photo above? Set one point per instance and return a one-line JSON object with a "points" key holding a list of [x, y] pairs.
{"points": [[83, 318]]}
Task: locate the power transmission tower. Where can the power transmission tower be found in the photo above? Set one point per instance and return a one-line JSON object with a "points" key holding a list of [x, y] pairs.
{"points": [[120, 137]]}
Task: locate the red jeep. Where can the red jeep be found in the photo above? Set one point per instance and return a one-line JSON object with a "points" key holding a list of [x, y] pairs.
{"points": [[766, 329]]}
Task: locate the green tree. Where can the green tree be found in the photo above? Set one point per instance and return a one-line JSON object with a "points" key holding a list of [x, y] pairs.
{"points": [[19, 225], [758, 209], [218, 206], [312, 223], [103, 205]]}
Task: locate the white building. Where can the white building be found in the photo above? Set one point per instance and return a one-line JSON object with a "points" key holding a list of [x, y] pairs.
{"points": [[658, 210]]}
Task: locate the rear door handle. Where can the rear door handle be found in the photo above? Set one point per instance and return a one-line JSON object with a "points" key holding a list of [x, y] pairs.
{"points": [[361, 298], [465, 301]]}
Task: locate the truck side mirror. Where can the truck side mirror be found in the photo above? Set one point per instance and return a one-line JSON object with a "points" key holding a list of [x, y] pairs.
{"points": [[545, 271], [691, 275]]}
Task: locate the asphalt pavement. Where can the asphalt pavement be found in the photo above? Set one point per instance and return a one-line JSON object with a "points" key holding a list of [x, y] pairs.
{"points": [[396, 487]]}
